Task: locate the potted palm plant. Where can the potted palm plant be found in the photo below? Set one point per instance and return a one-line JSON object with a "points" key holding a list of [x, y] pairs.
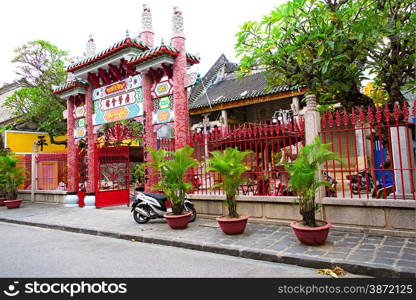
{"points": [[11, 176], [229, 164], [172, 168], [304, 180]]}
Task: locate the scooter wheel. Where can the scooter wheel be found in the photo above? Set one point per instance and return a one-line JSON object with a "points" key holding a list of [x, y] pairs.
{"points": [[193, 215], [139, 218]]}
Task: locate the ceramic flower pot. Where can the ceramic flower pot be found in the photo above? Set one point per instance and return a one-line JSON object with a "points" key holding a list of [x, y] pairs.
{"points": [[13, 203], [313, 236], [233, 226], [178, 221]]}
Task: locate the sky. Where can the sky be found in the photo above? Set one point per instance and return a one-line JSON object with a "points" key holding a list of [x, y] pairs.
{"points": [[210, 25]]}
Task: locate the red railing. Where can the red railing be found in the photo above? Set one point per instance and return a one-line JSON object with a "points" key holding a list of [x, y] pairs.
{"points": [[377, 149], [25, 162], [51, 171], [266, 176]]}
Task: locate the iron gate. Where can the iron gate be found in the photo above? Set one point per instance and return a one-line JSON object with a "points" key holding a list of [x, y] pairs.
{"points": [[112, 175]]}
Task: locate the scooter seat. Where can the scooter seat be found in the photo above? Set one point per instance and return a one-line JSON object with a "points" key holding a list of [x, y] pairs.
{"points": [[158, 197]]}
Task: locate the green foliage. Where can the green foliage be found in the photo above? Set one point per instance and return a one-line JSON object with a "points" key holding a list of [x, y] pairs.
{"points": [[327, 45], [229, 164], [172, 167], [303, 177], [11, 175], [41, 66], [136, 128], [138, 173]]}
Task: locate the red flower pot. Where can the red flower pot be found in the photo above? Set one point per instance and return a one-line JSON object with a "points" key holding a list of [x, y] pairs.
{"points": [[313, 236], [178, 222], [13, 203], [233, 226]]}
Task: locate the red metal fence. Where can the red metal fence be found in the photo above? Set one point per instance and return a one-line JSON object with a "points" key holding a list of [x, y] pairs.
{"points": [[25, 162], [269, 144], [377, 150], [51, 171]]}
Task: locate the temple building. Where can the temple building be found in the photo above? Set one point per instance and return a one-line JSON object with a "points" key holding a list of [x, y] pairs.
{"points": [[222, 98]]}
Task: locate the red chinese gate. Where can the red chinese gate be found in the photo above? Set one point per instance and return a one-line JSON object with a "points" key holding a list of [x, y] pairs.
{"points": [[112, 175]]}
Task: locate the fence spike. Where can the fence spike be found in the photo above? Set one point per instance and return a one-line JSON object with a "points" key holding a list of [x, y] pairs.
{"points": [[406, 111], [396, 112], [378, 114], [345, 117], [337, 118], [330, 119], [370, 115], [361, 115]]}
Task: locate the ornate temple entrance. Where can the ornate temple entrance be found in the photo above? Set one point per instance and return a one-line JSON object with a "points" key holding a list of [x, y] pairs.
{"points": [[130, 80]]}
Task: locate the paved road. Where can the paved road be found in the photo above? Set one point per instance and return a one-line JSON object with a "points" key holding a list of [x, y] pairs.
{"points": [[36, 252]]}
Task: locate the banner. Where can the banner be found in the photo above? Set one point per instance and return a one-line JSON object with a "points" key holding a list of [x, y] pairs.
{"points": [[118, 101]]}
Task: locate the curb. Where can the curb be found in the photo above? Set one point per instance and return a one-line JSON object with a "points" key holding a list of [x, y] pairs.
{"points": [[310, 262]]}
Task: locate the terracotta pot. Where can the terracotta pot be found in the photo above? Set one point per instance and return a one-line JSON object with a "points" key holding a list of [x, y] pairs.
{"points": [[233, 226], [178, 222], [13, 203], [313, 236]]}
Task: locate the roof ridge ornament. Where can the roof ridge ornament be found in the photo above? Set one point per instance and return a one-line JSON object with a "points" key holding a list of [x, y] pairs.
{"points": [[91, 47], [127, 34], [147, 24], [177, 22]]}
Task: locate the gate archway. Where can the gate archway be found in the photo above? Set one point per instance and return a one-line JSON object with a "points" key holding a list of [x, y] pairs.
{"points": [[112, 175]]}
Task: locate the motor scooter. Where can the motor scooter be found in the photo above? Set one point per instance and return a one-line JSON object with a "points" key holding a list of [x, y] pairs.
{"points": [[148, 206]]}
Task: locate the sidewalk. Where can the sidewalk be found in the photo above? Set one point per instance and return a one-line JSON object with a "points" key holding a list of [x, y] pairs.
{"points": [[357, 253]]}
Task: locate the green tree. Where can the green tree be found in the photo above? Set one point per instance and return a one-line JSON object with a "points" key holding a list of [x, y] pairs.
{"points": [[392, 59], [327, 46], [41, 66], [230, 165], [303, 177], [172, 167], [11, 175]]}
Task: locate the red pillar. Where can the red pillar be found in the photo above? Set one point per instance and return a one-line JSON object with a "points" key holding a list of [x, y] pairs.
{"points": [[71, 199], [147, 37], [90, 190], [180, 97]]}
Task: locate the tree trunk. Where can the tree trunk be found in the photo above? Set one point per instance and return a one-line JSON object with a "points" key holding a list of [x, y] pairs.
{"points": [[232, 207], [177, 209], [307, 210]]}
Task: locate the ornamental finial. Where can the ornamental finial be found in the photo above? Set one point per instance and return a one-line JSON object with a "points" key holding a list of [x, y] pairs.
{"points": [[146, 19], [177, 22], [90, 51], [127, 34]]}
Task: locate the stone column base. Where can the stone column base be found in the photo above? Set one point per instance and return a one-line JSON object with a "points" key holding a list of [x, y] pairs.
{"points": [[71, 199], [89, 201]]}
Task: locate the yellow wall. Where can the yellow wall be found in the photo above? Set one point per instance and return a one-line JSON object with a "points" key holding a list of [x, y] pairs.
{"points": [[22, 142]]}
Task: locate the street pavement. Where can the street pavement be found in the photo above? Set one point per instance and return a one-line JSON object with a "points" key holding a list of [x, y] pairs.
{"points": [[41, 252], [357, 253]]}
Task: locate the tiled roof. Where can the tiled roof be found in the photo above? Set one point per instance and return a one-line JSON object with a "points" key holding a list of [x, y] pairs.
{"points": [[207, 79], [161, 50], [70, 85], [234, 89], [125, 43]]}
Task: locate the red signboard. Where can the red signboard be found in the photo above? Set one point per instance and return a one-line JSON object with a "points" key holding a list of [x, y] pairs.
{"points": [[115, 87]]}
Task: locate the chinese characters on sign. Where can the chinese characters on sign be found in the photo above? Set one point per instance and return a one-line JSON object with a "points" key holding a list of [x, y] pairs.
{"points": [[119, 101]]}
